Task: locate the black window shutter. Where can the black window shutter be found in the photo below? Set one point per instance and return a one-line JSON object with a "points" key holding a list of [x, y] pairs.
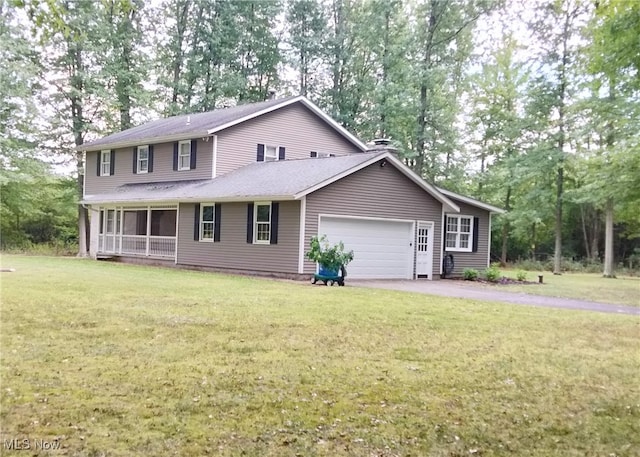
{"points": [[175, 156], [112, 165], [196, 222], [275, 213], [99, 163], [217, 213], [135, 160], [476, 226], [260, 154], [281, 152], [194, 149], [314, 154], [150, 166], [250, 223]]}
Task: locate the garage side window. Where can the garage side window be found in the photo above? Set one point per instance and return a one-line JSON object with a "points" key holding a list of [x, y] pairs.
{"points": [[459, 233]]}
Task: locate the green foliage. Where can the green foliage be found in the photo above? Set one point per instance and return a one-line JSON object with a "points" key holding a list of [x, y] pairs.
{"points": [[521, 275], [332, 257], [36, 207], [492, 274], [470, 274]]}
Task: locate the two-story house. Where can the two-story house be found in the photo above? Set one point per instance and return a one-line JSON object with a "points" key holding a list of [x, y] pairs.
{"points": [[245, 188]]}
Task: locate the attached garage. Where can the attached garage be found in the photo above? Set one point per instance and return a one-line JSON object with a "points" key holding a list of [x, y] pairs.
{"points": [[383, 248]]}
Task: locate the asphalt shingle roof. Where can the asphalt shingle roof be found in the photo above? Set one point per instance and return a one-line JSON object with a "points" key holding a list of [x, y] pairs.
{"points": [[285, 178], [199, 124]]}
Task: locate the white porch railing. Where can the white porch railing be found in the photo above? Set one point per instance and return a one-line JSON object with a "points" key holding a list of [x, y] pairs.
{"points": [[141, 245]]}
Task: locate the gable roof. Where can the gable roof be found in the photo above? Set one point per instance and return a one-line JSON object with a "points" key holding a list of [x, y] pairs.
{"points": [[472, 201], [196, 125], [263, 180]]}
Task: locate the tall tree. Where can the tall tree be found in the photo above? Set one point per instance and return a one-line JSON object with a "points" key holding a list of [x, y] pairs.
{"points": [[125, 64], [557, 26], [497, 116], [69, 37], [442, 44], [307, 26], [612, 60]]}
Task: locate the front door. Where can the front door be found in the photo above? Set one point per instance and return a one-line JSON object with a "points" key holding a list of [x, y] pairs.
{"points": [[424, 250]]}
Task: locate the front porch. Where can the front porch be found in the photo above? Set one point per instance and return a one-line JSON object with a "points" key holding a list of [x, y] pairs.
{"points": [[138, 231]]}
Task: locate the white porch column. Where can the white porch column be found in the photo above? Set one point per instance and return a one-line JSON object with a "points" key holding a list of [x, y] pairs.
{"points": [[94, 230], [148, 230]]}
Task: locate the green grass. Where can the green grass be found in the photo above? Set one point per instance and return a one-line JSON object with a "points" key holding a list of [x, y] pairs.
{"points": [[584, 286], [121, 360]]}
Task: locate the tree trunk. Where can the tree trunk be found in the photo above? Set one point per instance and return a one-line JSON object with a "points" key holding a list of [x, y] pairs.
{"points": [[533, 241], [424, 100], [585, 235], [608, 230], [557, 255], [505, 230], [77, 119], [608, 241]]}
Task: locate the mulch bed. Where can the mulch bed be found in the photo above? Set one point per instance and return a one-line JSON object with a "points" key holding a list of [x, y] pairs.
{"points": [[504, 281]]}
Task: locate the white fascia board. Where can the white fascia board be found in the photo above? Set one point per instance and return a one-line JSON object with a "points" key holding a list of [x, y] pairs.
{"points": [[134, 202], [306, 102], [473, 202], [131, 143]]}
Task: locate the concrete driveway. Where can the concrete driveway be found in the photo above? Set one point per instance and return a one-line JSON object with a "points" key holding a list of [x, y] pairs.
{"points": [[460, 289]]}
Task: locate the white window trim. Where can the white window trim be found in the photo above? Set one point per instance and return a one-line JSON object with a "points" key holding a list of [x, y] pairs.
{"points": [[255, 223], [275, 157], [103, 162], [457, 248], [139, 161], [180, 155], [213, 223]]}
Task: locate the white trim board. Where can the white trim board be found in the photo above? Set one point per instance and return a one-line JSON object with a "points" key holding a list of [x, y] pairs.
{"points": [[471, 201], [302, 234]]}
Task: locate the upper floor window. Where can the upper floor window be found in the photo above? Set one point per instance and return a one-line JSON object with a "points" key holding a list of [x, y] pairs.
{"points": [[105, 163], [269, 153], [184, 155], [459, 233], [143, 159], [321, 154]]}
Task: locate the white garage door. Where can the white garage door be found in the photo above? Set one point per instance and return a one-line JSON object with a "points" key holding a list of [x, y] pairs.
{"points": [[382, 249]]}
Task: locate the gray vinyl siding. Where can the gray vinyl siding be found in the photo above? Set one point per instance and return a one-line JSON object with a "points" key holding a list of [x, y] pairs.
{"points": [[233, 251], [374, 191], [162, 167], [476, 260], [295, 127]]}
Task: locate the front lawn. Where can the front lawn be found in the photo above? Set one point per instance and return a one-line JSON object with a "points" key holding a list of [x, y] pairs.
{"points": [[624, 290], [121, 360]]}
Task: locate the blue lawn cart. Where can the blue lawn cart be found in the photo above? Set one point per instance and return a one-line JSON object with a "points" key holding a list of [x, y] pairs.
{"points": [[330, 277]]}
